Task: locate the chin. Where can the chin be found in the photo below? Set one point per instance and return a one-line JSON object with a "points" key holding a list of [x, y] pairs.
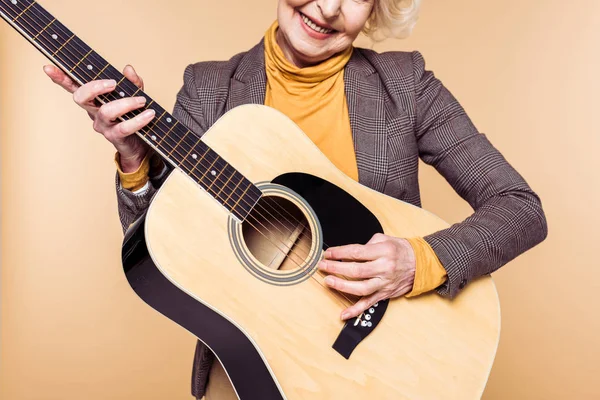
{"points": [[309, 53]]}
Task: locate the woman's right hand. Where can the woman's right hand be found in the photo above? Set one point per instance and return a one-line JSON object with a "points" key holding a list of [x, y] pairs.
{"points": [[132, 149]]}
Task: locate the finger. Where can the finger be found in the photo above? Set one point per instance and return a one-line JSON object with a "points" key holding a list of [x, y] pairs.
{"points": [[85, 95], [130, 74], [358, 288], [109, 112], [363, 304], [358, 252], [362, 270], [60, 78], [130, 126], [378, 238]]}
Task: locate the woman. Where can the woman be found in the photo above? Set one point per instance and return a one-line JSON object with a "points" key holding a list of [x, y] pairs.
{"points": [[387, 112]]}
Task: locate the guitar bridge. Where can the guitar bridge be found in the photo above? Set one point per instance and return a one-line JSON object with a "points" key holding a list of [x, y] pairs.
{"points": [[356, 329]]}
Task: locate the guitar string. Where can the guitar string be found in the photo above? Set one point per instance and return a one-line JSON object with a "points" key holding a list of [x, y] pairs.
{"points": [[158, 122], [256, 219], [272, 205], [210, 188]]}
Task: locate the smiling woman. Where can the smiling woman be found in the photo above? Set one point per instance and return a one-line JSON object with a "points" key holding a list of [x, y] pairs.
{"points": [[373, 115], [313, 31]]}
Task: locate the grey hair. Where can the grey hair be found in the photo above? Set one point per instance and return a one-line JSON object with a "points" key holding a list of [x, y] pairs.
{"points": [[392, 19]]}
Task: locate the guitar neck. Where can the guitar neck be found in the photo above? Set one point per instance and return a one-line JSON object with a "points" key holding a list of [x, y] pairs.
{"points": [[177, 144]]}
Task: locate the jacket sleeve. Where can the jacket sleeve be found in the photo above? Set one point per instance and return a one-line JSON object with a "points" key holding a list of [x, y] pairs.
{"points": [[508, 217], [187, 111]]}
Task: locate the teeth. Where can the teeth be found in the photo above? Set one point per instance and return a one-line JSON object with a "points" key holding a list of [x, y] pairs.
{"points": [[314, 26]]}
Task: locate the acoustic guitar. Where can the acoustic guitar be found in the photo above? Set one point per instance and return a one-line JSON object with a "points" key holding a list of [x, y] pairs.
{"points": [[229, 251]]}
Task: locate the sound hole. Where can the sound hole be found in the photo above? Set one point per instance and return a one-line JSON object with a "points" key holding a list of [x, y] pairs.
{"points": [[278, 234]]}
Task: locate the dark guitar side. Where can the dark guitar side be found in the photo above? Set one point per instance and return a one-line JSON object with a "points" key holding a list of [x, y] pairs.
{"points": [[343, 220]]}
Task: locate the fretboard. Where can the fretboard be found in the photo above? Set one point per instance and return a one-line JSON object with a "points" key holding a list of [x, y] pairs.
{"points": [[177, 144]]}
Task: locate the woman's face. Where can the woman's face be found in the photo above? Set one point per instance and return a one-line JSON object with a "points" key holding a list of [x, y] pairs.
{"points": [[311, 31]]}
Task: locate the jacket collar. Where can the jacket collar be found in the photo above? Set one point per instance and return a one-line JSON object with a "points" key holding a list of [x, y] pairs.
{"points": [[365, 98]]}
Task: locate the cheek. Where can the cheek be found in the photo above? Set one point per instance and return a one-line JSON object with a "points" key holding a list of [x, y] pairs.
{"points": [[356, 19]]}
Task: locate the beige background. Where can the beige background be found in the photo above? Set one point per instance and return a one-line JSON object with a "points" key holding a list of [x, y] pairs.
{"points": [[526, 72]]}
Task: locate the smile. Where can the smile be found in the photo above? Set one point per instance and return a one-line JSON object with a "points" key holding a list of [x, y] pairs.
{"points": [[308, 22]]}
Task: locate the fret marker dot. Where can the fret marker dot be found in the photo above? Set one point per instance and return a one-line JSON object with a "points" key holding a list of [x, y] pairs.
{"points": [[213, 172], [194, 156], [153, 137], [90, 67], [54, 36], [169, 120], [14, 1], [122, 94]]}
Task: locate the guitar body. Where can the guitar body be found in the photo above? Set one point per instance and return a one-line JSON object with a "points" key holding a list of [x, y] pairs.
{"points": [[268, 317]]}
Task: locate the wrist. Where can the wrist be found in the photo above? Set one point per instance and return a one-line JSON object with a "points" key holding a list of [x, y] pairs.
{"points": [[136, 179], [131, 163]]}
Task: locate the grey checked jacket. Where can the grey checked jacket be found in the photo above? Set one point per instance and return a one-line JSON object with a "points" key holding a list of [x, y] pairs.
{"points": [[398, 112]]}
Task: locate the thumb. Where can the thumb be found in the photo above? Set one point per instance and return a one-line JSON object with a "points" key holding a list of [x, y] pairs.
{"points": [[130, 74]]}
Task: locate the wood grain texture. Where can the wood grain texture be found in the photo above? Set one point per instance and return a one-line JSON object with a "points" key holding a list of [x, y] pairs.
{"points": [[425, 348]]}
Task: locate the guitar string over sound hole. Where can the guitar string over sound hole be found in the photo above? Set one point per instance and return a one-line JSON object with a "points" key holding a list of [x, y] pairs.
{"points": [[280, 242], [278, 234]]}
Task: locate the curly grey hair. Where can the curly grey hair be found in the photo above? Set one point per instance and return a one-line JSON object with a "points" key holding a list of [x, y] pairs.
{"points": [[392, 18]]}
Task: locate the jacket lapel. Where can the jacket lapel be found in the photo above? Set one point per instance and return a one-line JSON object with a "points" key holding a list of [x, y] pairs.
{"points": [[366, 107], [249, 82]]}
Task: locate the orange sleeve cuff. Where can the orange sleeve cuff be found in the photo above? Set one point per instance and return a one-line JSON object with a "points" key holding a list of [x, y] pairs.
{"points": [[430, 272], [137, 179]]}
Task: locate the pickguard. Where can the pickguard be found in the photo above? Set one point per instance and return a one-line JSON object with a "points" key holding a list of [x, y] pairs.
{"points": [[344, 220]]}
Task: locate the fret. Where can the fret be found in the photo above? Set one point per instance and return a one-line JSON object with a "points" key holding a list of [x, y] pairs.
{"points": [[169, 131], [215, 178], [43, 30], [63, 45], [201, 159], [239, 197], [151, 126], [180, 140], [101, 71], [195, 150], [79, 62], [179, 145], [242, 196], [23, 12], [194, 153], [234, 189], [210, 166], [227, 181], [158, 136]]}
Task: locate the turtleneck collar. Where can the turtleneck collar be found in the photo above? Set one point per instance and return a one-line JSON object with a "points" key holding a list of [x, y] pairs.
{"points": [[276, 62]]}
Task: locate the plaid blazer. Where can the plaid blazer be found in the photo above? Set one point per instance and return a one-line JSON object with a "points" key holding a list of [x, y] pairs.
{"points": [[399, 112]]}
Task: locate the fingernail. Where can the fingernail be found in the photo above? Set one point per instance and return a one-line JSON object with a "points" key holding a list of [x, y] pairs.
{"points": [[109, 84], [148, 113], [345, 315], [322, 265], [145, 115], [329, 280], [141, 100]]}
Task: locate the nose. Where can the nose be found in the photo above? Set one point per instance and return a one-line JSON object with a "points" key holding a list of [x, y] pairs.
{"points": [[330, 8]]}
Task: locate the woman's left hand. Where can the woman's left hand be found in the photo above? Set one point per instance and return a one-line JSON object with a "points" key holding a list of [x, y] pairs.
{"points": [[383, 268]]}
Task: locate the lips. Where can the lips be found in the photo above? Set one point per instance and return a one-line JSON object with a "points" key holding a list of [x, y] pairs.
{"points": [[314, 26]]}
